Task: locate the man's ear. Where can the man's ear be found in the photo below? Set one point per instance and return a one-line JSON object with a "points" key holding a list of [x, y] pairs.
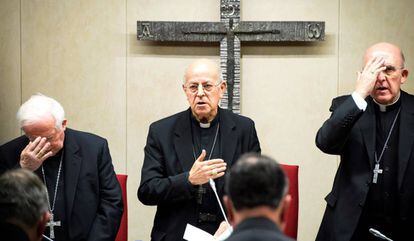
{"points": [[404, 75], [64, 124], [230, 209], [223, 88], [41, 224], [283, 208]]}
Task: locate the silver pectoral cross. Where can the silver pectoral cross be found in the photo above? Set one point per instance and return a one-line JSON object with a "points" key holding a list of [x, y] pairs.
{"points": [[376, 171], [52, 224], [200, 191]]}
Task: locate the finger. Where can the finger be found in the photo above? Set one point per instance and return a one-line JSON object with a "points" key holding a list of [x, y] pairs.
{"points": [[218, 175], [221, 169], [49, 154], [218, 166], [380, 69], [202, 156], [368, 64], [378, 64], [34, 143], [213, 172], [214, 161], [40, 145], [45, 148]]}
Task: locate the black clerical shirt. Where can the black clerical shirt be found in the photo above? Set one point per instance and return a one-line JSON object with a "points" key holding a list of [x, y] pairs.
{"points": [[203, 138]]}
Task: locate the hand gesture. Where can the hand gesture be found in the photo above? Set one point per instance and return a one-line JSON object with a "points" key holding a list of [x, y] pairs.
{"points": [[368, 76], [35, 153], [202, 171]]}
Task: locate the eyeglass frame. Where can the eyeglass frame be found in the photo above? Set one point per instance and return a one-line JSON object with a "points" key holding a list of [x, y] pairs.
{"points": [[391, 68], [187, 87]]}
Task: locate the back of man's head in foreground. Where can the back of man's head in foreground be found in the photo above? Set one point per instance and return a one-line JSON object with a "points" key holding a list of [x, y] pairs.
{"points": [[256, 186], [23, 202]]}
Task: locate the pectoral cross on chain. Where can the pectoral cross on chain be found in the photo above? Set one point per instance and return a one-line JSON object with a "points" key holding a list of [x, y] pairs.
{"points": [[51, 224], [200, 191], [376, 171]]}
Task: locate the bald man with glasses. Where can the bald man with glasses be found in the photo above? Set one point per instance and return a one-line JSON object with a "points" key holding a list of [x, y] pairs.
{"points": [[187, 149], [372, 131]]}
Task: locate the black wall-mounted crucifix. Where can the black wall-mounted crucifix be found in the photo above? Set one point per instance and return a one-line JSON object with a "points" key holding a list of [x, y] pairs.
{"points": [[229, 32]]}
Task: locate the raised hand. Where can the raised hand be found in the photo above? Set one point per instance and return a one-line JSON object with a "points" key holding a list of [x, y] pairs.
{"points": [[35, 153], [202, 171], [368, 76]]}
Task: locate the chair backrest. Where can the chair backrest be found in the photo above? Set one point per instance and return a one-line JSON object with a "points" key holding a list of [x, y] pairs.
{"points": [[291, 228], [123, 228]]}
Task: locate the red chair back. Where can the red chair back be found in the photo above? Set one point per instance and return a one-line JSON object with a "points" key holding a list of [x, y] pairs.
{"points": [[123, 228], [291, 217]]}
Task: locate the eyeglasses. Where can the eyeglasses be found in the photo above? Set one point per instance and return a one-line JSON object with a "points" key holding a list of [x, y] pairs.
{"points": [[391, 71], [207, 87]]}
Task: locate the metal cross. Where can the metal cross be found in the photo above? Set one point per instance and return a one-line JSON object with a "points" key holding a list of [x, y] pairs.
{"points": [[200, 192], [376, 171], [230, 31], [52, 224]]}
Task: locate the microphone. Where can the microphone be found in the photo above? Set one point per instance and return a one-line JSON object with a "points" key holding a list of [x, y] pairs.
{"points": [[378, 234], [213, 186]]}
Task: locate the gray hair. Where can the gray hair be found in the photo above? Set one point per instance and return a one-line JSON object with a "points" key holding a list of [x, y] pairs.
{"points": [[37, 108], [23, 197]]}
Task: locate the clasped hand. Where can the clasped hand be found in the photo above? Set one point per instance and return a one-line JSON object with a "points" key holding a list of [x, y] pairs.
{"points": [[35, 153], [202, 171]]}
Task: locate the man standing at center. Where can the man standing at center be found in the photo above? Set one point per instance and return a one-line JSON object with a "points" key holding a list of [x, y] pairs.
{"points": [[185, 150]]}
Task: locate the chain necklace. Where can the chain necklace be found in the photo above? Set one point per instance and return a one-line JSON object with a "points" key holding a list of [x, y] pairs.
{"points": [[377, 169], [212, 147], [51, 224]]}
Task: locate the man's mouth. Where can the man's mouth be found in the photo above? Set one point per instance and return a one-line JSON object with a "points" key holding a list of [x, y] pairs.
{"points": [[380, 88]]}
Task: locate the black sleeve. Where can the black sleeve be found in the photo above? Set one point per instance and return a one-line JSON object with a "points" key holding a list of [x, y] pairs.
{"points": [[333, 134]]}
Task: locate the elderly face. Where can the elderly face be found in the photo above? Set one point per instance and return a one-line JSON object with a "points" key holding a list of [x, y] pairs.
{"points": [[203, 89], [46, 128], [387, 86]]}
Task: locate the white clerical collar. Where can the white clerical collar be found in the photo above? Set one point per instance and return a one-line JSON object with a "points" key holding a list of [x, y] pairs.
{"points": [[383, 107], [205, 125]]}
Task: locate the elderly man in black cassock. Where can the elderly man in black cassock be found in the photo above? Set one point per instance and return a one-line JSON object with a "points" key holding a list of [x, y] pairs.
{"points": [[373, 132], [84, 196], [185, 150]]}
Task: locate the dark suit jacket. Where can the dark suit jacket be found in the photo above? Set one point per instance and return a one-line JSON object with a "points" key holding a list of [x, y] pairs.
{"points": [[168, 160], [350, 133], [93, 196], [260, 229]]}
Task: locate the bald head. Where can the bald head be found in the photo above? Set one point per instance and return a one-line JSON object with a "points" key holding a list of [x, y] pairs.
{"points": [[390, 52], [201, 68], [388, 81]]}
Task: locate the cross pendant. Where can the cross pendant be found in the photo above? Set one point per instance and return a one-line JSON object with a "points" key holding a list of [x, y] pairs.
{"points": [[376, 171], [51, 224], [200, 191]]}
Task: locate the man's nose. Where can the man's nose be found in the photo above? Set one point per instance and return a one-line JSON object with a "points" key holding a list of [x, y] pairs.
{"points": [[381, 76], [200, 90]]}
